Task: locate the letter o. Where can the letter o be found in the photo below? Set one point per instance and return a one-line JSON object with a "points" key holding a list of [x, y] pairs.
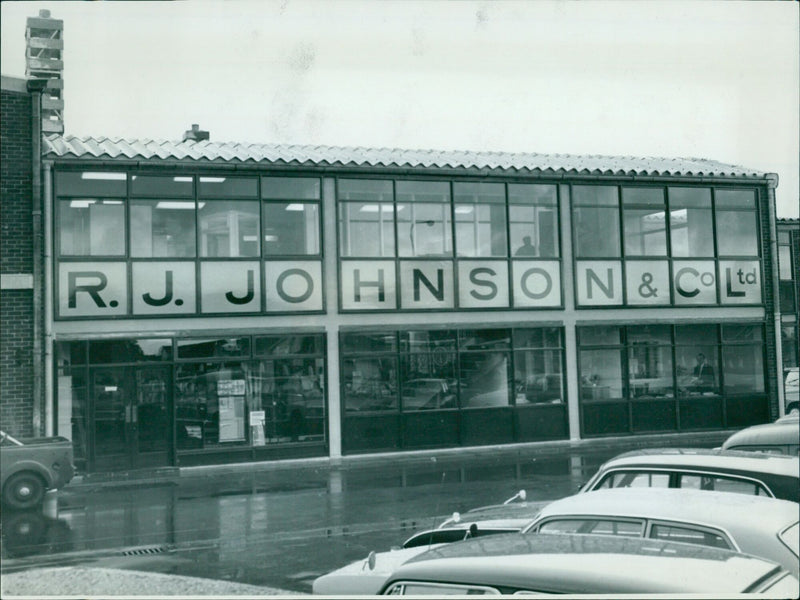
{"points": [[707, 279], [294, 299], [524, 283]]}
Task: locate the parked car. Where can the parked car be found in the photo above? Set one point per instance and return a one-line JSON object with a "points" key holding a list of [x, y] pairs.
{"points": [[586, 564], [765, 527], [367, 575], [780, 437], [791, 389], [721, 470], [29, 467]]}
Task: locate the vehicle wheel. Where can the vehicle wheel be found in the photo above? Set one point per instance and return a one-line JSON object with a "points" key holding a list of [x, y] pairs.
{"points": [[23, 490], [792, 406]]}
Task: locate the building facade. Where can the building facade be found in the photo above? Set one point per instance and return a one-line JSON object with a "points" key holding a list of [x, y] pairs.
{"points": [[215, 302]]}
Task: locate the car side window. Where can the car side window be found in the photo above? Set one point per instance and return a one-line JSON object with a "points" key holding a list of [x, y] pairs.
{"points": [[688, 535], [722, 484], [624, 528], [634, 479]]}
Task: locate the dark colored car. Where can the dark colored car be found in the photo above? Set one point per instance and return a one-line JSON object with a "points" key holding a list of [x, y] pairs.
{"points": [[586, 564], [696, 468]]}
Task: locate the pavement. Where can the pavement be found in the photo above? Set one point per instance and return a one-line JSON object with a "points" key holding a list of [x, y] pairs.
{"points": [[121, 583]]}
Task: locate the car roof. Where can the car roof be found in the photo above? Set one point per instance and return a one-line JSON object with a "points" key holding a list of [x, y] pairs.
{"points": [[785, 431], [605, 564], [732, 512], [700, 458]]}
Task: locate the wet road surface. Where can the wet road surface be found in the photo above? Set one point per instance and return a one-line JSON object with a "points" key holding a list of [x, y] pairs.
{"points": [[280, 527]]}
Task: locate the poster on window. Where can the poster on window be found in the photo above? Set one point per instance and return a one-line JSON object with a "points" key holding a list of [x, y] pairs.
{"points": [[257, 422], [231, 418]]}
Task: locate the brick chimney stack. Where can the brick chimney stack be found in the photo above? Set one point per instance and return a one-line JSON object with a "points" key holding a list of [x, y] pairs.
{"points": [[44, 62], [196, 134]]}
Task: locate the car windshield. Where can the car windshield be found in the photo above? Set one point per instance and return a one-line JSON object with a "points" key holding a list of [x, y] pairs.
{"points": [[791, 537]]}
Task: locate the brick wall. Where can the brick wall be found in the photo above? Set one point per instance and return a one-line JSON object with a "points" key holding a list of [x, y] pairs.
{"points": [[16, 256]]}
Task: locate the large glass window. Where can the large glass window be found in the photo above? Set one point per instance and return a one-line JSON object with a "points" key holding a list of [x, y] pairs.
{"points": [[480, 214], [691, 228], [533, 222], [228, 228], [697, 356], [163, 228], [424, 225], [538, 368], [91, 227], [428, 370], [737, 222], [366, 218], [596, 221], [291, 212], [650, 362], [644, 221]]}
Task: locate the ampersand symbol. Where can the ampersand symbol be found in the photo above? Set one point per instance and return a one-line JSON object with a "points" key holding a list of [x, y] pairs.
{"points": [[646, 290]]}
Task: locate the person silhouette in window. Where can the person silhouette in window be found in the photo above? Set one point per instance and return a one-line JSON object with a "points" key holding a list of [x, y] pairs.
{"points": [[527, 248], [703, 380]]}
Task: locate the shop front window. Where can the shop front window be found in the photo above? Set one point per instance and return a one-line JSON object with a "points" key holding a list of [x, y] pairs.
{"points": [[369, 384], [538, 368], [428, 370], [601, 375], [697, 365], [650, 362], [72, 409]]}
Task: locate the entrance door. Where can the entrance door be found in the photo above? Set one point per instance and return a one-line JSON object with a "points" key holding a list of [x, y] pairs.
{"points": [[131, 417]]}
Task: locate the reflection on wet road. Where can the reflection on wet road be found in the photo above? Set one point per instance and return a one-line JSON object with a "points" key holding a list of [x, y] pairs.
{"points": [[278, 527]]}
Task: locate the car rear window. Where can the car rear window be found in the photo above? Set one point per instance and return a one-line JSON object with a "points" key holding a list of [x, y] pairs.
{"points": [[722, 484], [688, 535], [625, 528], [634, 479], [791, 537]]}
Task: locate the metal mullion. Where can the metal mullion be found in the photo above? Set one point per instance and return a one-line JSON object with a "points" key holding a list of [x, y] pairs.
{"points": [[716, 248]]}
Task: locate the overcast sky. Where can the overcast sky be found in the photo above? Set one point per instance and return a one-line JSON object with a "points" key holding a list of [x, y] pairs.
{"points": [[715, 80]]}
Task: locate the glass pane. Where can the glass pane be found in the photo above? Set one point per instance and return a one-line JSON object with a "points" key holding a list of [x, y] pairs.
{"points": [[595, 195], [734, 198], [719, 484], [596, 232], [645, 232], [483, 379], [91, 227], [742, 333], [72, 407], [737, 233], [423, 191], [688, 536], [786, 293], [743, 369], [650, 334], [424, 230], [428, 342], [599, 335], [229, 228], [91, 183], [684, 197], [290, 394], [162, 187], [222, 187], [291, 228], [692, 234], [211, 403], [481, 229], [538, 377], [162, 228], [365, 189], [650, 371], [635, 479], [427, 384], [594, 526], [697, 369], [534, 231], [369, 384], [601, 375], [71, 353], [540, 337], [120, 351], [369, 342], [494, 193], [693, 334], [366, 229], [789, 346], [785, 262], [643, 195], [280, 345], [526, 193], [484, 339], [209, 348], [290, 188]]}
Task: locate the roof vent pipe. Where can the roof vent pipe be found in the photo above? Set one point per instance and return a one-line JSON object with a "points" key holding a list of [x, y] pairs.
{"points": [[195, 134]]}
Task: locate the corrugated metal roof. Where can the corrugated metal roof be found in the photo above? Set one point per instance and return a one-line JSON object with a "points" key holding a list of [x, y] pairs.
{"points": [[57, 146]]}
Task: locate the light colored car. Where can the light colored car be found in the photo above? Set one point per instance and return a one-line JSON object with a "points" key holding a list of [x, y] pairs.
{"points": [[696, 468], [791, 389], [366, 576], [765, 527], [587, 564], [780, 437]]}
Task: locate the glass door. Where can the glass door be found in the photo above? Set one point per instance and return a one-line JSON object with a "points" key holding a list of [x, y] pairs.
{"points": [[130, 417]]}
